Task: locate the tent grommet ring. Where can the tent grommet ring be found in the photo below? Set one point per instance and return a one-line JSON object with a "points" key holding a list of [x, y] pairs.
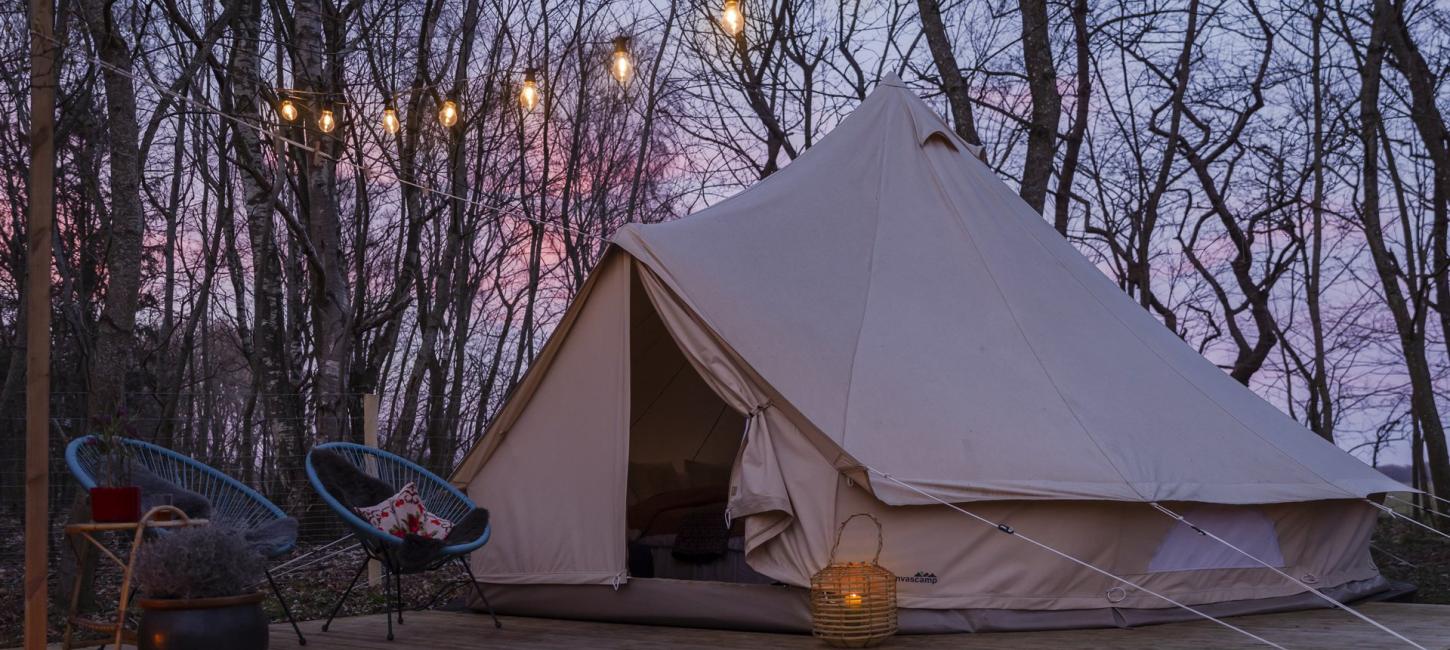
{"points": [[1116, 595]]}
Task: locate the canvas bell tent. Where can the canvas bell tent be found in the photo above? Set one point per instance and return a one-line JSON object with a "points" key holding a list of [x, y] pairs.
{"points": [[880, 327]]}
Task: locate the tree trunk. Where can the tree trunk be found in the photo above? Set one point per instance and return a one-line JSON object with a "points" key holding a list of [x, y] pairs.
{"points": [[1320, 409], [1411, 334], [1046, 103], [270, 361], [1063, 205], [952, 84], [1430, 123], [327, 271], [114, 338]]}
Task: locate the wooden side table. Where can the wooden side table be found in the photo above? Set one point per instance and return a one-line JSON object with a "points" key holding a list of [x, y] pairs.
{"points": [[160, 517]]}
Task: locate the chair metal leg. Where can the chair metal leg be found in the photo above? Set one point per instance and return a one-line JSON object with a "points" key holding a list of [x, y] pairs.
{"points": [[388, 601], [479, 588], [346, 592], [398, 591], [301, 640]]}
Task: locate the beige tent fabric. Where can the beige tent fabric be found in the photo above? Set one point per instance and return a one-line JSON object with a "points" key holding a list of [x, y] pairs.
{"points": [[972, 565], [799, 497], [886, 302], [555, 477], [913, 309]]}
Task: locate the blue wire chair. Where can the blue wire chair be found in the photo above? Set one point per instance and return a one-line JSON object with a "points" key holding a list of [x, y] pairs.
{"points": [[438, 497], [232, 502]]}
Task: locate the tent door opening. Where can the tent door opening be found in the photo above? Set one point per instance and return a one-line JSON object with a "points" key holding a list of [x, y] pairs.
{"points": [[683, 440]]}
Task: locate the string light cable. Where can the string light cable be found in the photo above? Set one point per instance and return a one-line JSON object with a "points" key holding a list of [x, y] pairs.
{"points": [[505, 212]]}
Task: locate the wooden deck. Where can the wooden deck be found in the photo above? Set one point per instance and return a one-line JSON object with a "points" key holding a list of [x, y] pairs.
{"points": [[1428, 625]]}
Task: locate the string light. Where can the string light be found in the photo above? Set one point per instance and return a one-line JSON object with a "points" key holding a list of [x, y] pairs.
{"points": [[529, 92], [287, 110], [731, 18], [448, 113], [325, 121], [390, 120], [621, 66], [264, 130]]}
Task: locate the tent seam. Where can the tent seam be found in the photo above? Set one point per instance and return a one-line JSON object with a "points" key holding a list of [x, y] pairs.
{"points": [[870, 284], [1185, 378], [971, 241]]}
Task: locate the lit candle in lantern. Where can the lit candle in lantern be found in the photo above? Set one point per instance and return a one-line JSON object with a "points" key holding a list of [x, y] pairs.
{"points": [[853, 599]]}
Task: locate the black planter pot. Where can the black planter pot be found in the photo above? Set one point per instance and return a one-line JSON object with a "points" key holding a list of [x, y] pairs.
{"points": [[228, 623]]}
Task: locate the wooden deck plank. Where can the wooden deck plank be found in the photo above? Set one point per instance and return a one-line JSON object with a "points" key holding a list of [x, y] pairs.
{"points": [[1428, 625]]}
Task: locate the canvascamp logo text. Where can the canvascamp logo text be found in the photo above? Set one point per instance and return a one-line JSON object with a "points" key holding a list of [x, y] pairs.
{"points": [[922, 577]]}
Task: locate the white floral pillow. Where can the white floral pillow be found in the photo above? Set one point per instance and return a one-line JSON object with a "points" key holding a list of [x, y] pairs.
{"points": [[403, 514]]}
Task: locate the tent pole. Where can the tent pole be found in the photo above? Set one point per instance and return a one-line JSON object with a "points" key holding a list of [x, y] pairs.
{"points": [[37, 326]]}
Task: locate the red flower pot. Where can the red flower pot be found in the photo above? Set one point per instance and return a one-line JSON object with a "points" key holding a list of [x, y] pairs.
{"points": [[115, 504]]}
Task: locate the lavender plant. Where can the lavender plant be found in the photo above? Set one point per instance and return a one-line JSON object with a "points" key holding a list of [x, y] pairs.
{"points": [[199, 562]]}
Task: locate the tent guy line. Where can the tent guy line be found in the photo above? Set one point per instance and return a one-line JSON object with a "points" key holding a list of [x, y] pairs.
{"points": [[511, 213], [1391, 511], [1430, 511], [1083, 563], [1445, 501], [1332, 601], [1174, 515]]}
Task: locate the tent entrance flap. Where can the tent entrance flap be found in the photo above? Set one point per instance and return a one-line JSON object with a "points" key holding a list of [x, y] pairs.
{"points": [[682, 435], [683, 442]]}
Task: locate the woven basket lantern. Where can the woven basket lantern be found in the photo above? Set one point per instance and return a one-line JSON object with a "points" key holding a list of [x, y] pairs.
{"points": [[853, 604]]}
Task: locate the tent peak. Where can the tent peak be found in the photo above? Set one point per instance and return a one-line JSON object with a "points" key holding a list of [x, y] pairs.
{"points": [[892, 80]]}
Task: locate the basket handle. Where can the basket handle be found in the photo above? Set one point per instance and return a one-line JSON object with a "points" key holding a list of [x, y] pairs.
{"points": [[842, 529]]}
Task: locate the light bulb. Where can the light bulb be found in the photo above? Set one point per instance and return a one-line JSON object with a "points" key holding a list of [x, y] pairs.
{"points": [[731, 18], [622, 65], [448, 113], [325, 121], [529, 93], [287, 110], [390, 120]]}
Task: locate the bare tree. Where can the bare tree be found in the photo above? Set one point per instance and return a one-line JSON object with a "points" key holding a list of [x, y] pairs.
{"points": [[1409, 316], [952, 83], [1046, 103], [110, 357]]}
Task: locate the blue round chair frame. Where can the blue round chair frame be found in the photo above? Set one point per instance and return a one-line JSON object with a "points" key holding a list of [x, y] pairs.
{"points": [[233, 503], [438, 497]]}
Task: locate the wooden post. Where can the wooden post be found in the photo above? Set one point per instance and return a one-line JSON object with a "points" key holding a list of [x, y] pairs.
{"points": [[37, 325], [370, 438]]}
